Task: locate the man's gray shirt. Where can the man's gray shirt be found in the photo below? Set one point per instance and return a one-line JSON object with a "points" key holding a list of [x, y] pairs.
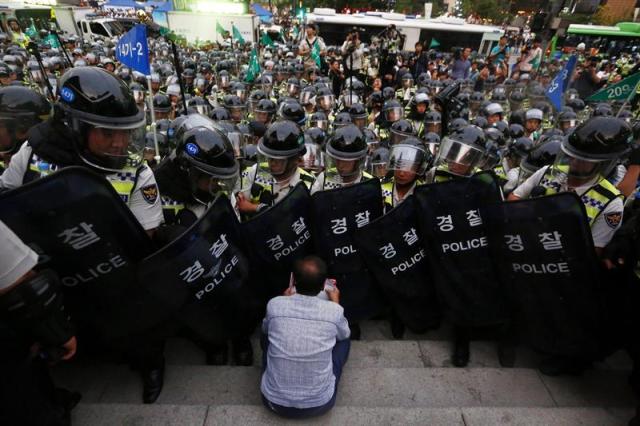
{"points": [[302, 332]]}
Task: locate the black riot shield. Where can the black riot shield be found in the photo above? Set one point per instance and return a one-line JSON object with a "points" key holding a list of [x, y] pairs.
{"points": [[544, 252], [81, 229], [393, 250], [337, 215], [456, 242], [200, 276], [276, 238]]}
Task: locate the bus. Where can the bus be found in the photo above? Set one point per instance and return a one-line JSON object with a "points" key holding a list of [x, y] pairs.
{"points": [[623, 37], [447, 32]]}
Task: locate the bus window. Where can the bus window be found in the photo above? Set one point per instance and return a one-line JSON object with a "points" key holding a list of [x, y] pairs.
{"points": [[451, 39], [97, 28], [84, 27]]}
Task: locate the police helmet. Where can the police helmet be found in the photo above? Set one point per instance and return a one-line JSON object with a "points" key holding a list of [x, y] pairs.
{"points": [[20, 109]]}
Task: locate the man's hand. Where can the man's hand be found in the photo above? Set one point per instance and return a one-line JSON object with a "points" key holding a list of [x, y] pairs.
{"points": [[334, 294], [290, 291], [245, 205]]}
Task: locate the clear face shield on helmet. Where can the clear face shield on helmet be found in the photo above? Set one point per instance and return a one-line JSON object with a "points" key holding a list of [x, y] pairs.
{"points": [[203, 109], [407, 158], [341, 169], [393, 114], [138, 96], [273, 168], [407, 83], [306, 98], [579, 170], [112, 149], [474, 106], [326, 102], [348, 99], [266, 83], [565, 125], [293, 89], [205, 186], [433, 126], [238, 142], [241, 93], [313, 159], [36, 75], [460, 159], [320, 124], [397, 137], [236, 113], [433, 148], [224, 81], [360, 122]]}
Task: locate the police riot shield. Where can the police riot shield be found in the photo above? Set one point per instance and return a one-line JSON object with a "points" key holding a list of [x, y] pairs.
{"points": [[544, 253], [276, 238], [456, 241], [338, 213], [80, 228], [200, 276], [392, 248]]}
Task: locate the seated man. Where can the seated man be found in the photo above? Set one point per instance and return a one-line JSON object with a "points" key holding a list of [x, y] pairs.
{"points": [[305, 345]]}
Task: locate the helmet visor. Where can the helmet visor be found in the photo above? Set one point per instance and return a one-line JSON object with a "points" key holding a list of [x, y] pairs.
{"points": [[326, 102], [320, 124], [393, 114], [313, 159], [407, 158], [113, 149], [205, 186], [459, 158], [203, 109], [342, 170], [138, 95], [396, 137], [293, 89], [581, 169], [238, 142], [306, 98]]}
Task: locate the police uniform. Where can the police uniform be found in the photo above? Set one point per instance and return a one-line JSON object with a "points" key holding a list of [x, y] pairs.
{"points": [[255, 183], [602, 201], [136, 187], [390, 195], [322, 184]]}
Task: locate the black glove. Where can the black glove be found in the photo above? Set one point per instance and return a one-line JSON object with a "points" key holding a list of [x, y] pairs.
{"points": [[634, 157]]}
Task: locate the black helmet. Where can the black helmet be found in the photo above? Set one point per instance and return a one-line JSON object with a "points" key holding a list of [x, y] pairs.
{"points": [[206, 152], [393, 110], [292, 110], [342, 119], [266, 106], [516, 131], [410, 155], [388, 93], [376, 98], [599, 138], [378, 162], [602, 110], [517, 117], [92, 97], [502, 126], [520, 147], [480, 121], [567, 119], [315, 135], [576, 104], [20, 109], [200, 105], [347, 143], [496, 136], [457, 124], [319, 119], [357, 110], [423, 79], [542, 154], [283, 139], [462, 151], [161, 103], [401, 130], [220, 114]]}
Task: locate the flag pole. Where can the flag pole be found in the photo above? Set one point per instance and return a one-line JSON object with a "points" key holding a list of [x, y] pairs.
{"points": [[33, 49], [626, 101], [153, 120], [176, 61]]}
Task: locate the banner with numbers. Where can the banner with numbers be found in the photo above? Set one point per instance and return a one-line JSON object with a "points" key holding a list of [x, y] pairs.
{"points": [[276, 238], [560, 83], [200, 276], [81, 229], [338, 213], [455, 236], [543, 252], [392, 248]]}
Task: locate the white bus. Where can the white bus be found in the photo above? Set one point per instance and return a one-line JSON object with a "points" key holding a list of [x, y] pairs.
{"points": [[449, 32]]}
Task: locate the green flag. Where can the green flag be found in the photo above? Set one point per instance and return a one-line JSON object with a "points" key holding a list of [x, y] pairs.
{"points": [[52, 41], [621, 91], [219, 29], [552, 50], [315, 54], [266, 40], [254, 67], [434, 43], [31, 31], [237, 35]]}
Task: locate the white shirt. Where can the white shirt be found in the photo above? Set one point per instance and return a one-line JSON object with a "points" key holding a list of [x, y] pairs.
{"points": [[356, 56], [601, 230], [16, 258], [280, 190], [318, 184], [147, 210]]}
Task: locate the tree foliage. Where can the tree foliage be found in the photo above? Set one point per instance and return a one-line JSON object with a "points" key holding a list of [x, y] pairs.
{"points": [[495, 10]]}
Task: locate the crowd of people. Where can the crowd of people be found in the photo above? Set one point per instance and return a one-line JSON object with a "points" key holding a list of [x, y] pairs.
{"points": [[325, 116]]}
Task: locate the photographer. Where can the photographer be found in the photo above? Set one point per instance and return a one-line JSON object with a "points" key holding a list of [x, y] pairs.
{"points": [[587, 81], [352, 52]]}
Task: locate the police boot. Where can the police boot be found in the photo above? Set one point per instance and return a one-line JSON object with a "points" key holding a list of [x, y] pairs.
{"points": [[152, 381], [558, 365], [397, 326], [461, 351], [217, 354], [242, 352]]}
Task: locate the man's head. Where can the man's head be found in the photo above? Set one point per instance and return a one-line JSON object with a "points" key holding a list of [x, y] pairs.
{"points": [[503, 41], [309, 274], [466, 52], [312, 30], [418, 47]]}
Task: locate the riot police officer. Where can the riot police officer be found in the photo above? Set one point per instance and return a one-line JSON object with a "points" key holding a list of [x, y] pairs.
{"points": [[105, 134], [408, 160], [587, 156], [277, 172], [20, 109], [459, 155], [346, 152]]}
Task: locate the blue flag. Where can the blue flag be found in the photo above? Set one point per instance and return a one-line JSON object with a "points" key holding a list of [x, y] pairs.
{"points": [[560, 83], [132, 49]]}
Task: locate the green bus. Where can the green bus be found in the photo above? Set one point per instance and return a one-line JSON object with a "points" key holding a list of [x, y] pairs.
{"points": [[623, 37]]}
